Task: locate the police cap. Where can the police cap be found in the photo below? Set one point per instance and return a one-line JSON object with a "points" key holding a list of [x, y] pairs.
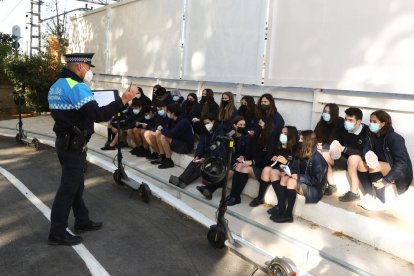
{"points": [[80, 57]]}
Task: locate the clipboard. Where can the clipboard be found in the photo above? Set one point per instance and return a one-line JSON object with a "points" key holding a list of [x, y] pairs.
{"points": [[105, 97]]}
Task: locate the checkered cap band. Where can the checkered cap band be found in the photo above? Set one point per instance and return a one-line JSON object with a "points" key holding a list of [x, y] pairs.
{"points": [[79, 59]]}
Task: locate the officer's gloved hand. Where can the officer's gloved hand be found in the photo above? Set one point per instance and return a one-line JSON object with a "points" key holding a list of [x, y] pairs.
{"points": [[129, 94]]}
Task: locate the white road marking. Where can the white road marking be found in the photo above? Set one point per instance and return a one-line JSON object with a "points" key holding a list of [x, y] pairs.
{"points": [[93, 265]]}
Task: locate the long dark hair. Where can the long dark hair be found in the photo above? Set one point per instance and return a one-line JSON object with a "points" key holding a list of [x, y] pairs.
{"points": [[383, 117], [308, 144], [292, 140], [206, 105], [191, 108], [250, 110], [272, 108], [263, 136], [225, 111]]}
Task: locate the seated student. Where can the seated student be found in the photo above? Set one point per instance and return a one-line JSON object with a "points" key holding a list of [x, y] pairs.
{"points": [[150, 135], [348, 146], [163, 96], [206, 105], [247, 109], [189, 107], [241, 140], [178, 137], [144, 100], [226, 112], [127, 114], [147, 122], [286, 150], [308, 178], [326, 131], [386, 161], [155, 101], [266, 107], [259, 153], [176, 96], [204, 149]]}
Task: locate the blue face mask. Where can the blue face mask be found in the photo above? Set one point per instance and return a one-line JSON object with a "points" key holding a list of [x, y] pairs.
{"points": [[147, 117], [176, 98], [283, 139], [374, 127], [136, 111], [349, 126], [169, 115], [161, 112], [326, 116]]}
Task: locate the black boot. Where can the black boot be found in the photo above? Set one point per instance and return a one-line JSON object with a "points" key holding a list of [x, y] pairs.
{"points": [[278, 191], [260, 197], [238, 183], [366, 182], [109, 136], [288, 215]]}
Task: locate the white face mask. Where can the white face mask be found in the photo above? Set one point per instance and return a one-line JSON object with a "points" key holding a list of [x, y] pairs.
{"points": [[209, 126], [88, 76]]}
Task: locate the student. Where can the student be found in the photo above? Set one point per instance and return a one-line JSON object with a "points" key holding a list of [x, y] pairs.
{"points": [[178, 137], [150, 135], [348, 148], [206, 105], [206, 147], [126, 116], [286, 150], [308, 178], [176, 96], [266, 107], [241, 141], [132, 123], [147, 122], [162, 96], [189, 107], [144, 100], [326, 131], [259, 153], [226, 112], [247, 109], [386, 161], [154, 101]]}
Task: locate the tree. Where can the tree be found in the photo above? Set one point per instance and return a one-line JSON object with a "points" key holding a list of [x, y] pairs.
{"points": [[8, 45]]}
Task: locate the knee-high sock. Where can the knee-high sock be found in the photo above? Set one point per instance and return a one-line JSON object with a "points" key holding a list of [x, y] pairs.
{"points": [[262, 189], [281, 195], [291, 198], [212, 187], [238, 183], [366, 182], [109, 136], [380, 192]]}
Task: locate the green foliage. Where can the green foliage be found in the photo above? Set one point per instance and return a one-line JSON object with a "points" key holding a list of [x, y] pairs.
{"points": [[34, 75], [7, 44]]}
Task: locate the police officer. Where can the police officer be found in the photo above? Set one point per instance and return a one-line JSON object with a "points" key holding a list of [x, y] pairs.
{"points": [[74, 111]]}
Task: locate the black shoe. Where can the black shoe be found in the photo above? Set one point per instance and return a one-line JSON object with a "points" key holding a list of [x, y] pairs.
{"points": [[349, 196], [143, 153], [153, 156], [233, 201], [205, 192], [166, 164], [135, 150], [330, 189], [108, 147], [175, 180], [67, 239], [256, 202], [273, 210], [157, 161], [91, 226], [282, 218]]}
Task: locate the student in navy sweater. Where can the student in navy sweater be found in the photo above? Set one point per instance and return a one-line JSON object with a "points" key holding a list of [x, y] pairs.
{"points": [[205, 148], [160, 121], [247, 109], [266, 107], [206, 105], [178, 137], [226, 112], [348, 147], [146, 123], [386, 161]]}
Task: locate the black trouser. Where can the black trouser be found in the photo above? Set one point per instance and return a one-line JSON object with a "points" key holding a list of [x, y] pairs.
{"points": [[69, 193]]}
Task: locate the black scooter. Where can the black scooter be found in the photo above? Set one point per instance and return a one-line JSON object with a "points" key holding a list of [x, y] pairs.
{"points": [[219, 233], [21, 136], [120, 177]]}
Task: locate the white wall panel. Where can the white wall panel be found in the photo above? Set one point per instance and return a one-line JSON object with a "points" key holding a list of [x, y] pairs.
{"points": [[224, 40], [146, 38], [350, 45]]}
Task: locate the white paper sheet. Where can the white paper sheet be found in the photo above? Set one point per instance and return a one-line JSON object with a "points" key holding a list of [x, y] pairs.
{"points": [[104, 97]]}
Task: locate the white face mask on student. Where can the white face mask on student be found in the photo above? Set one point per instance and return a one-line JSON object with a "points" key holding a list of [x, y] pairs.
{"points": [[209, 126]]}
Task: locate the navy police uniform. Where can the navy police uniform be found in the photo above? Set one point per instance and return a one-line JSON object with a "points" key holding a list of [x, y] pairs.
{"points": [[74, 111]]}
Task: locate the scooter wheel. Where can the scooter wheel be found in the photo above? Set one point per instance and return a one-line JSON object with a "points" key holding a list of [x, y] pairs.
{"points": [[216, 236], [36, 143], [117, 177], [145, 192], [279, 267]]}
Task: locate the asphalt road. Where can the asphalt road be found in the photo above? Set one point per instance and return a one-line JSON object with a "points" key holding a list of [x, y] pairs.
{"points": [[137, 238]]}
